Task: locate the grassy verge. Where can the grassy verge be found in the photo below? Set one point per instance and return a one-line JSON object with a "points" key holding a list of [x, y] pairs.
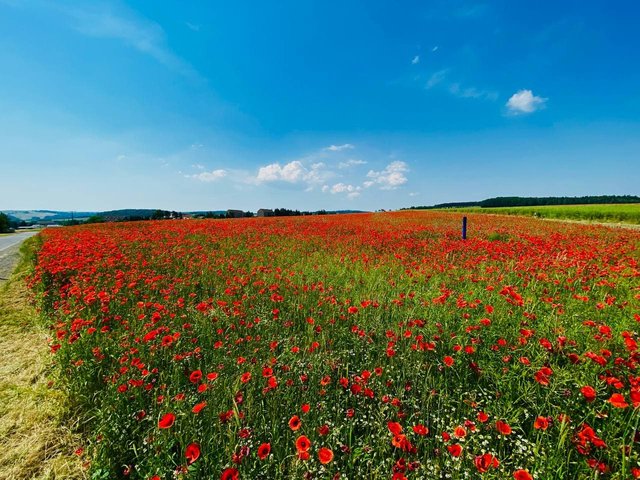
{"points": [[624, 213], [34, 441]]}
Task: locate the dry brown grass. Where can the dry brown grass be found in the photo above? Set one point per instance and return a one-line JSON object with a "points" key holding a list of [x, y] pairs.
{"points": [[36, 433]]}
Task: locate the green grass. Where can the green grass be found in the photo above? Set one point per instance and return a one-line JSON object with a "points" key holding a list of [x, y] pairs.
{"points": [[34, 443], [623, 213]]}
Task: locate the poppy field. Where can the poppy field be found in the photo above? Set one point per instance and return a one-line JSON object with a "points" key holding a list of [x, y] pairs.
{"points": [[377, 346]]}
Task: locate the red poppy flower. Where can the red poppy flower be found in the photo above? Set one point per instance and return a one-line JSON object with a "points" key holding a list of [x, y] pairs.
{"points": [[455, 450], [323, 430], [460, 432], [448, 361], [541, 423], [420, 429], [394, 427], [197, 408], [522, 475], [482, 417], [303, 443], [264, 450], [325, 455], [503, 427], [542, 375], [230, 474], [304, 455], [486, 461], [588, 392], [195, 376], [305, 408], [245, 377], [294, 423], [618, 401], [167, 420], [192, 452]]}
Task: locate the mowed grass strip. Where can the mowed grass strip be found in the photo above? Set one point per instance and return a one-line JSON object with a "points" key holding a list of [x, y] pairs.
{"points": [[622, 213], [35, 439]]}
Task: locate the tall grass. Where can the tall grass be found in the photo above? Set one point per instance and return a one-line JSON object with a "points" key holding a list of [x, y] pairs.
{"points": [[623, 213]]}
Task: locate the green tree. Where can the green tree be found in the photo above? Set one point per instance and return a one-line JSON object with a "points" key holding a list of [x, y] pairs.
{"points": [[5, 224]]}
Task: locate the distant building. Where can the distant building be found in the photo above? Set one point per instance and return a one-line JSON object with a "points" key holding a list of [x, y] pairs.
{"points": [[235, 214], [265, 212]]}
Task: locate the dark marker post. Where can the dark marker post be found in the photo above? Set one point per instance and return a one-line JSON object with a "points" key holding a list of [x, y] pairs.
{"points": [[464, 228]]}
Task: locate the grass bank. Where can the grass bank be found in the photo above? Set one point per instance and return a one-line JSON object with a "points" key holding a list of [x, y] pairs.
{"points": [[623, 213], [35, 440]]}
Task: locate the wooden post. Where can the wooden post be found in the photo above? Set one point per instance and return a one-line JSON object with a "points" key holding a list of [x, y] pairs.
{"points": [[464, 228]]}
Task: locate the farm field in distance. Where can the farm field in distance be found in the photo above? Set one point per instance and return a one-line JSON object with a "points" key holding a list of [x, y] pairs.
{"points": [[622, 213], [372, 346]]}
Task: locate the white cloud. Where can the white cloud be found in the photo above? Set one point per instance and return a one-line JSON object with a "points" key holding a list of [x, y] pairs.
{"points": [[294, 172], [193, 26], [435, 49], [415, 60], [524, 101], [339, 148], [390, 178], [211, 176], [437, 77], [352, 191], [351, 163]]}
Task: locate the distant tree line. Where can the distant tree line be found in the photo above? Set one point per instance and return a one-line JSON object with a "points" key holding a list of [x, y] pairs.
{"points": [[285, 212], [536, 201]]}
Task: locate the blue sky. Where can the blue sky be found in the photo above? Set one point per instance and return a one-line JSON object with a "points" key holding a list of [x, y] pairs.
{"points": [[310, 105]]}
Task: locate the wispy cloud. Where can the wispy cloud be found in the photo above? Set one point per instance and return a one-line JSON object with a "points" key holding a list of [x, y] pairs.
{"points": [[415, 60], [351, 163], [107, 20], [437, 78], [192, 26], [441, 78], [339, 148], [471, 11], [524, 101], [211, 176], [471, 92], [143, 35]]}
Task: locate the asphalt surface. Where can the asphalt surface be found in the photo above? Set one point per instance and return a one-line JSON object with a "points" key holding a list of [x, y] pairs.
{"points": [[7, 241], [10, 252]]}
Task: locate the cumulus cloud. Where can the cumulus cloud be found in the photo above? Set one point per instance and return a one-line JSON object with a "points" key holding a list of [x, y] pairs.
{"points": [[352, 191], [524, 101], [390, 178], [339, 148], [211, 176], [294, 172]]}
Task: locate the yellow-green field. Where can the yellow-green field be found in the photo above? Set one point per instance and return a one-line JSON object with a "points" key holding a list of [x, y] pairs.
{"points": [[622, 213]]}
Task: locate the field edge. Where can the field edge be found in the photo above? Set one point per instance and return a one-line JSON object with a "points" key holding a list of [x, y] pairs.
{"points": [[36, 441]]}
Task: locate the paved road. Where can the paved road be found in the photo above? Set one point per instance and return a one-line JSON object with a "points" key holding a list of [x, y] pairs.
{"points": [[10, 252], [7, 241]]}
